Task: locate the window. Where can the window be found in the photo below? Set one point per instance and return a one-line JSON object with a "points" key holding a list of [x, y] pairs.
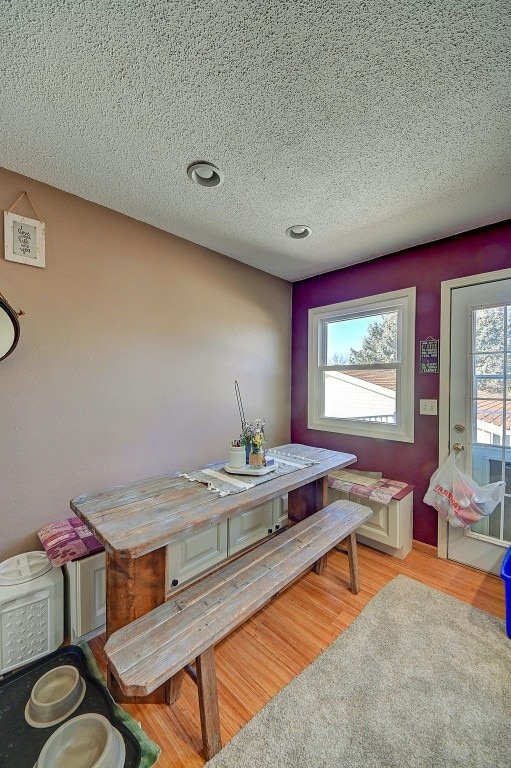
{"points": [[361, 366]]}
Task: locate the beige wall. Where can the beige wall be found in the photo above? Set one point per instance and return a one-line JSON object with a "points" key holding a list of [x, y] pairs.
{"points": [[127, 357]]}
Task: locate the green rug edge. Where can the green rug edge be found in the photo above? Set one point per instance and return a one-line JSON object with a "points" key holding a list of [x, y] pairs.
{"points": [[150, 751]]}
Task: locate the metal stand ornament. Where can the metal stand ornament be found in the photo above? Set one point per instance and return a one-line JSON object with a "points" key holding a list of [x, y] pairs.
{"points": [[252, 435]]}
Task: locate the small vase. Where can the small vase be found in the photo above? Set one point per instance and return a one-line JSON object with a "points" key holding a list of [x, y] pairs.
{"points": [[256, 458]]}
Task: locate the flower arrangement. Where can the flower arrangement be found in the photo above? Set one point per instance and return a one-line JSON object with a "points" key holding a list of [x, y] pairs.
{"points": [[253, 434]]}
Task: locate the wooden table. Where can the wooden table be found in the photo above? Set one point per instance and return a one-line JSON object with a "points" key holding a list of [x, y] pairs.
{"points": [[135, 522]]}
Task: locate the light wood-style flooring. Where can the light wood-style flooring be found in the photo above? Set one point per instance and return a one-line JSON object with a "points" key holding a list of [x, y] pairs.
{"points": [[270, 649]]}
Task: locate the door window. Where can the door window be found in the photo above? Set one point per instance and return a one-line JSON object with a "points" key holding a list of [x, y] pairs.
{"points": [[491, 410]]}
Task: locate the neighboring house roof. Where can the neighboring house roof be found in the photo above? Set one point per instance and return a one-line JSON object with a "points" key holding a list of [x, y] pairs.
{"points": [[490, 410], [383, 377]]}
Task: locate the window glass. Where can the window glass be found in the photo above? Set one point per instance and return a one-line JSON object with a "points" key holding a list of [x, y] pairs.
{"points": [[491, 379], [489, 329], [369, 339], [364, 395]]}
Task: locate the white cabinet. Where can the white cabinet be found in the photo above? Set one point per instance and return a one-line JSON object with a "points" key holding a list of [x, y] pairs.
{"points": [[85, 597], [390, 529], [280, 518], [196, 554], [249, 527]]}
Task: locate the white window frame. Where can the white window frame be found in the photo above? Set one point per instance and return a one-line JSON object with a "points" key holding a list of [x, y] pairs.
{"points": [[403, 430]]}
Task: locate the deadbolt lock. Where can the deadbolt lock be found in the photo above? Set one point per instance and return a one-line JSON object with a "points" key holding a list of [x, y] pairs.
{"points": [[459, 428]]}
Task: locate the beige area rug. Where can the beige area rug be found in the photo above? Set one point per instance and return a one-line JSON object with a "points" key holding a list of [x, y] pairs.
{"points": [[419, 679]]}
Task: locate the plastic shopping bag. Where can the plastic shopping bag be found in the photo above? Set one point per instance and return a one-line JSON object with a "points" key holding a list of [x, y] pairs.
{"points": [[458, 498]]}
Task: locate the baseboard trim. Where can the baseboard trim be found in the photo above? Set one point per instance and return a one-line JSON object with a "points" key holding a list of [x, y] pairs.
{"points": [[429, 549]]}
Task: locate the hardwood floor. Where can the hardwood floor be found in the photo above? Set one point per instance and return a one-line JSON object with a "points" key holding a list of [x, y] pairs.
{"points": [[270, 649]]}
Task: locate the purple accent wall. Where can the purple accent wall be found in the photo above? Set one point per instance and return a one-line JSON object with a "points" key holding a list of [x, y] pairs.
{"points": [[483, 250]]}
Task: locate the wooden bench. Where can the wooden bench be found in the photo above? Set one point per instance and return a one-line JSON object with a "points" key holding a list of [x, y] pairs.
{"points": [[157, 646]]}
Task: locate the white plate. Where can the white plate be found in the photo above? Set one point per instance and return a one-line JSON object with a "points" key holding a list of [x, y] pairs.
{"points": [[249, 470]]}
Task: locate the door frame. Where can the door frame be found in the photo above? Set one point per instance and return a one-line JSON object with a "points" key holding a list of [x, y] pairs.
{"points": [[446, 289]]}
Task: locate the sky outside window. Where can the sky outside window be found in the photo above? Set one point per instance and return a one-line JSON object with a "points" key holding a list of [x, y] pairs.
{"points": [[344, 335]]}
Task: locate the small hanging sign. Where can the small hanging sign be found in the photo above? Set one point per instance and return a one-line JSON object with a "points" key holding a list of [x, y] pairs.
{"points": [[24, 237], [429, 355]]}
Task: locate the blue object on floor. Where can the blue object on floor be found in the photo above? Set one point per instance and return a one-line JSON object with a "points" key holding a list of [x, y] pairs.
{"points": [[505, 573]]}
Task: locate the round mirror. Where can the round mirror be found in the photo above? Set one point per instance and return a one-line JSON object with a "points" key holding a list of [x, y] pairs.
{"points": [[9, 328]]}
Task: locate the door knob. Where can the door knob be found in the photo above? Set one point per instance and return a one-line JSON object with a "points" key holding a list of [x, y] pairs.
{"points": [[458, 447]]}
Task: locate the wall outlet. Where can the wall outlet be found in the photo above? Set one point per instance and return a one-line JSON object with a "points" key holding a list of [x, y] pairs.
{"points": [[428, 407]]}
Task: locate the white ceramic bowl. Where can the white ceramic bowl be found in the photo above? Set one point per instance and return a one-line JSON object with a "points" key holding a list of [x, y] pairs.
{"points": [[86, 741], [55, 696]]}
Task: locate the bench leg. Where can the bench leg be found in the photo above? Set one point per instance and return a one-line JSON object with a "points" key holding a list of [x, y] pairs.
{"points": [[173, 688], [320, 565], [208, 703], [351, 546]]}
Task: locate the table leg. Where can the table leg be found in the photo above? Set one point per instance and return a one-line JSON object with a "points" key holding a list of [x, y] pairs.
{"points": [[305, 501], [308, 499], [133, 588]]}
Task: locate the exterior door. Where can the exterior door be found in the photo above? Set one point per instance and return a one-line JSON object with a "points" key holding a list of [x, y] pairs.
{"points": [[480, 412]]}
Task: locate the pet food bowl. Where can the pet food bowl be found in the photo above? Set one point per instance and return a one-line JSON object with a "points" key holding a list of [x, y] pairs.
{"points": [[55, 696], [86, 741]]}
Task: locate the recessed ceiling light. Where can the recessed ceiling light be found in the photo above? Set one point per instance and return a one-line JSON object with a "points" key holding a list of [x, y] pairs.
{"points": [[205, 174], [298, 231]]}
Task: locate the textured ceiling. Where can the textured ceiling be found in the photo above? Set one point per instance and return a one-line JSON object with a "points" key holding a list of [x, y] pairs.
{"points": [[380, 124]]}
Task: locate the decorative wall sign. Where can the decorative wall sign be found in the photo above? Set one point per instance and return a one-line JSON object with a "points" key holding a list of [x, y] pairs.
{"points": [[429, 355], [24, 237]]}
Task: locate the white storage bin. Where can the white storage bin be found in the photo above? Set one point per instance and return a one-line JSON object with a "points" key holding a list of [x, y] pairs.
{"points": [[31, 609]]}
